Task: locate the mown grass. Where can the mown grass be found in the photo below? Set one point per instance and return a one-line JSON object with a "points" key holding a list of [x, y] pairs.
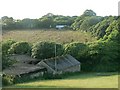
{"points": [[60, 36], [82, 80]]}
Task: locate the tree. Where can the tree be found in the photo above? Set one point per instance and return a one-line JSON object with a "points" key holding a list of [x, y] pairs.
{"points": [[6, 62], [44, 50], [89, 13], [46, 22], [103, 56], [75, 49], [6, 45], [86, 20], [20, 48], [89, 22], [8, 23]]}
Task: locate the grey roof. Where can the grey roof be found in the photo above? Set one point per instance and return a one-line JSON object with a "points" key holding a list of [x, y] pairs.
{"points": [[21, 68], [23, 58], [62, 62], [25, 64]]}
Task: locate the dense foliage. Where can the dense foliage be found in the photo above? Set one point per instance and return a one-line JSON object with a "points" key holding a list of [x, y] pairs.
{"points": [[47, 21], [44, 50], [7, 80], [20, 48], [6, 62], [6, 45], [75, 49]]}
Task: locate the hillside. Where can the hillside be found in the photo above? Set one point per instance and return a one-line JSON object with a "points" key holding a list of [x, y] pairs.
{"points": [[61, 36]]}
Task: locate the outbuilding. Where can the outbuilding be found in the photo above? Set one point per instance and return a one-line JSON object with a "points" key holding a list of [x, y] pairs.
{"points": [[61, 64]]}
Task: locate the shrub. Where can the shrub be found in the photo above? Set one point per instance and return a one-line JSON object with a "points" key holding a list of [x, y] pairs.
{"points": [[6, 45], [75, 49], [6, 61], [20, 48], [43, 50], [7, 80]]}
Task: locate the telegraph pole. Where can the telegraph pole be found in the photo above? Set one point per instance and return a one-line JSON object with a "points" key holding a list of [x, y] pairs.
{"points": [[55, 59]]}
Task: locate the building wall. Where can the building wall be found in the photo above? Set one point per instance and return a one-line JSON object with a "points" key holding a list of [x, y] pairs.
{"points": [[49, 70], [76, 68], [72, 69], [34, 75]]}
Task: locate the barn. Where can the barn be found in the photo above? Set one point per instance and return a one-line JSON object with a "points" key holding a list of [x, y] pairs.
{"points": [[33, 67], [61, 64], [25, 65], [22, 69]]}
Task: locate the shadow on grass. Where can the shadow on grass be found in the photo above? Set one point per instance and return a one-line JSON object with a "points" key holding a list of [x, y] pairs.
{"points": [[86, 75]]}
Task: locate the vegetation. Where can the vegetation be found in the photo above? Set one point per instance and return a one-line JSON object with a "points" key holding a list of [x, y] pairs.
{"points": [[6, 62], [50, 35], [6, 45], [19, 48], [80, 80], [47, 21], [75, 49], [7, 80], [44, 50]]}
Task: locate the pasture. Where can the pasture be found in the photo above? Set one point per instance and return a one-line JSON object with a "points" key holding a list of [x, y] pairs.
{"points": [[81, 80], [59, 36]]}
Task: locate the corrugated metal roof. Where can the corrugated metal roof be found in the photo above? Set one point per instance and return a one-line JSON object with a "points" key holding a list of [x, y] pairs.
{"points": [[21, 68], [62, 62]]}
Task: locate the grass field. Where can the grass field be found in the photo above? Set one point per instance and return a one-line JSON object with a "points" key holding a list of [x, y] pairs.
{"points": [[60, 36], [83, 80]]}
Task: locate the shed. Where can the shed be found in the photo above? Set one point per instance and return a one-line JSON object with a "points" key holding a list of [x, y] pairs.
{"points": [[24, 59], [21, 69], [25, 65], [60, 26], [61, 64]]}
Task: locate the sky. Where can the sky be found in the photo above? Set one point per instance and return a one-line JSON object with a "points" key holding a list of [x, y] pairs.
{"points": [[19, 9]]}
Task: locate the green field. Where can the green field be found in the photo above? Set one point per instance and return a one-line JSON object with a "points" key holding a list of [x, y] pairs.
{"points": [[60, 36], [82, 80]]}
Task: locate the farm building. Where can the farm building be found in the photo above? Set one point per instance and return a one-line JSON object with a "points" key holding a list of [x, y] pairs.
{"points": [[21, 69], [25, 65], [61, 64], [29, 66], [60, 26], [24, 59]]}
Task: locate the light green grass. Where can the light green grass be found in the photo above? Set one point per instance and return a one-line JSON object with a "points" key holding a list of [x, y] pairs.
{"points": [[88, 80], [60, 36]]}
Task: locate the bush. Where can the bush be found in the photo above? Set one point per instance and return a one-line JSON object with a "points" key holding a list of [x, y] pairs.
{"points": [[43, 50], [6, 45], [7, 80], [20, 48], [103, 56], [75, 49], [6, 61]]}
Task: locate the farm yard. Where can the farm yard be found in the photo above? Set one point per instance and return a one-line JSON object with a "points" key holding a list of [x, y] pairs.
{"points": [[81, 80], [59, 36]]}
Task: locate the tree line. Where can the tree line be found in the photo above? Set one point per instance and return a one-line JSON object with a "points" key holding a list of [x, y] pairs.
{"points": [[47, 21]]}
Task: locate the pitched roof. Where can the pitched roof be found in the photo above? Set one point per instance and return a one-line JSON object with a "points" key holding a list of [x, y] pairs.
{"points": [[62, 62], [25, 64], [22, 68], [24, 59]]}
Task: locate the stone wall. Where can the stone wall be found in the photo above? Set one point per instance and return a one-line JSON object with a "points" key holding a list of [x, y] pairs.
{"points": [[72, 69]]}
